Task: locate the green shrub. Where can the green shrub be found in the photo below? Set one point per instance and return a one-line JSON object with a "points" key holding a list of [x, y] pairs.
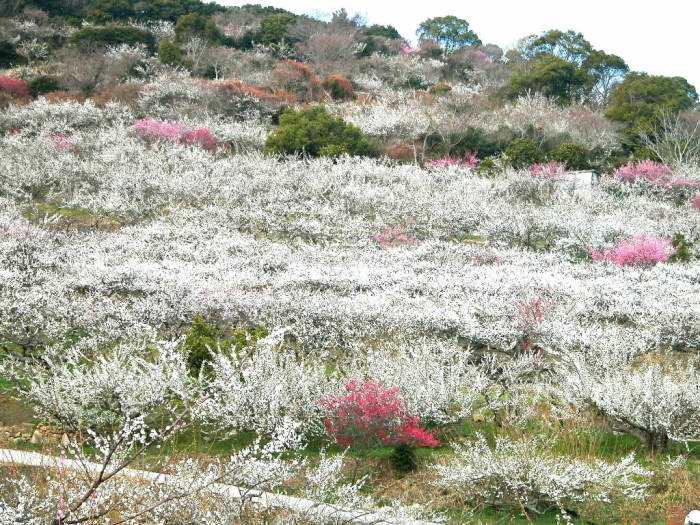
{"points": [[466, 141], [523, 153], [415, 82], [314, 132], [44, 84], [203, 338], [575, 157], [274, 29], [200, 340], [8, 55], [196, 25], [387, 31], [404, 459], [171, 10], [170, 54], [104, 11], [487, 167], [91, 37], [639, 101], [550, 75], [683, 249]]}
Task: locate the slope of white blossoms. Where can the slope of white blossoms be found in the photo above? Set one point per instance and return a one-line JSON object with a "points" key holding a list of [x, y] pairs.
{"points": [[393, 272], [524, 474]]}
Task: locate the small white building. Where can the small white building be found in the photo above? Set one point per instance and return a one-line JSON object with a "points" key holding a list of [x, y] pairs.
{"points": [[581, 181]]}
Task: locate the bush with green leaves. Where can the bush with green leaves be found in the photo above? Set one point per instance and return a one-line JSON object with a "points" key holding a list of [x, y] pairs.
{"points": [[95, 37], [404, 459], [195, 25], [316, 133], [203, 338], [682, 249], [552, 76], [104, 11], [468, 140], [275, 28], [387, 31], [169, 53], [641, 100], [8, 55], [522, 153], [574, 156], [44, 84]]}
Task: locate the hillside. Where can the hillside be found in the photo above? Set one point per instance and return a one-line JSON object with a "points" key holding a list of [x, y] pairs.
{"points": [[245, 247]]}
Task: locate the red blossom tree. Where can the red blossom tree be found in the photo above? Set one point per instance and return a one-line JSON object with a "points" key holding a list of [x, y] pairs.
{"points": [[371, 415]]}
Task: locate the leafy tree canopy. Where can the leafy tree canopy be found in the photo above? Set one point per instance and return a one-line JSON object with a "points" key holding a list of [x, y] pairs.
{"points": [[449, 32], [551, 76], [103, 11], [641, 99], [275, 28], [567, 45], [387, 31], [196, 25], [90, 37]]}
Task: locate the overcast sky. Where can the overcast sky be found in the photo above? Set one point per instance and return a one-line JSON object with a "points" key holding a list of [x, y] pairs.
{"points": [[659, 37]]}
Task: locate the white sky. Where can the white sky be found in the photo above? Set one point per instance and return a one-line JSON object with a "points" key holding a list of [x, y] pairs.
{"points": [[659, 37]]}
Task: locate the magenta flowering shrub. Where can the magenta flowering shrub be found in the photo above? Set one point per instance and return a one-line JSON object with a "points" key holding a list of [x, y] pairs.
{"points": [[201, 137], [654, 173], [696, 201], [548, 170], [150, 128], [393, 236], [659, 180], [646, 170], [14, 86], [641, 250], [470, 161], [153, 129], [371, 415]]}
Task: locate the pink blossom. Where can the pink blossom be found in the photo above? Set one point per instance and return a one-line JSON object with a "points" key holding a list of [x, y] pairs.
{"points": [[150, 128], [406, 49], [394, 236], [647, 170], [370, 415], [201, 137], [470, 160], [696, 201], [550, 170], [14, 86], [153, 129], [62, 142], [641, 250]]}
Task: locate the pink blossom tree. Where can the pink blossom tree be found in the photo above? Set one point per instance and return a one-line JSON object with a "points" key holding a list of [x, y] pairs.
{"points": [[14, 86], [153, 129], [470, 160], [549, 170], [371, 415], [696, 201], [640, 250]]}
